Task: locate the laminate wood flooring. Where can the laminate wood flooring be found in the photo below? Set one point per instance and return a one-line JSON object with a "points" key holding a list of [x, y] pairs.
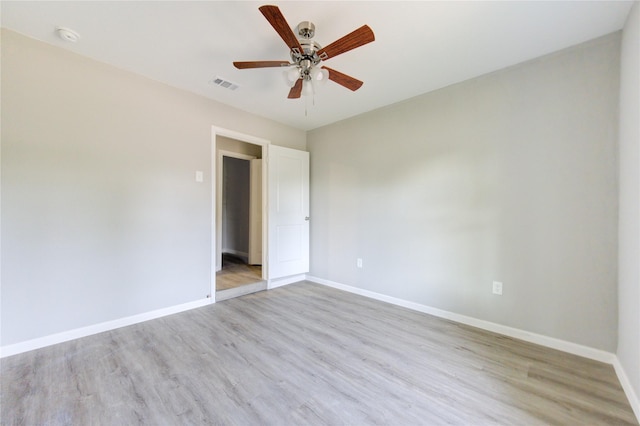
{"points": [[235, 273], [306, 354]]}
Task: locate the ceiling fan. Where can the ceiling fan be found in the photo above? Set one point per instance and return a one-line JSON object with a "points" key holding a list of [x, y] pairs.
{"points": [[304, 71]]}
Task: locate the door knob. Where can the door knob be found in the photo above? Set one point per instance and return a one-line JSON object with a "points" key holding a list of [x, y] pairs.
{"points": [[306, 218]]}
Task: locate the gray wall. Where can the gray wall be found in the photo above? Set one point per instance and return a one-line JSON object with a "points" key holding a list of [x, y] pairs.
{"points": [[511, 177], [629, 231], [101, 214]]}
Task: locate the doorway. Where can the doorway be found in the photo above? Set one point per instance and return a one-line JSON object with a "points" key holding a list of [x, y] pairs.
{"points": [[284, 206], [239, 219]]}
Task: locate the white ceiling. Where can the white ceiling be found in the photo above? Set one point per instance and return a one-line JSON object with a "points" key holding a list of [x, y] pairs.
{"points": [[420, 45]]}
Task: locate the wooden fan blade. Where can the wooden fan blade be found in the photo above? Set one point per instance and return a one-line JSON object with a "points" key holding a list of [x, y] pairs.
{"points": [[277, 21], [357, 38], [260, 64], [343, 79], [296, 90]]}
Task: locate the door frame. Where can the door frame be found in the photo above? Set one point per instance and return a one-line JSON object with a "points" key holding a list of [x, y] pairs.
{"points": [[256, 221], [215, 182]]}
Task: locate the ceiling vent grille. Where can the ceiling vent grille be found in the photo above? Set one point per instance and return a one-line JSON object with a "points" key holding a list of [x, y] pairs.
{"points": [[219, 81]]}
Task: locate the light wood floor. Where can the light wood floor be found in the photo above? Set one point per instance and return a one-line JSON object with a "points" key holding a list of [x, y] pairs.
{"points": [[306, 354], [236, 273]]}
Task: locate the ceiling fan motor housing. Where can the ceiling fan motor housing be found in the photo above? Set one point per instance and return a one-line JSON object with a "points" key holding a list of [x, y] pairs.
{"points": [[308, 58]]}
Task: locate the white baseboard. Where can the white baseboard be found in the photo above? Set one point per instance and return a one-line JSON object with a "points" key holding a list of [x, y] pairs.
{"points": [[53, 339], [65, 336], [550, 342], [628, 389], [279, 282]]}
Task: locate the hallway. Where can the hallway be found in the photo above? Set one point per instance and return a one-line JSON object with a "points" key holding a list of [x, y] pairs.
{"points": [[235, 273]]}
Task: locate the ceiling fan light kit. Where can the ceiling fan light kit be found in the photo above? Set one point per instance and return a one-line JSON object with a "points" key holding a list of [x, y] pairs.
{"points": [[304, 73]]}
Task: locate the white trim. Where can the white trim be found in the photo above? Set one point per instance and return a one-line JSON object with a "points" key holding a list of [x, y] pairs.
{"points": [[214, 217], [239, 156], [279, 282], [550, 342], [256, 193], [628, 389], [77, 333]]}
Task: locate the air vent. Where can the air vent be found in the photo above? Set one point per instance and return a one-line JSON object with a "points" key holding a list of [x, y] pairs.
{"points": [[219, 81]]}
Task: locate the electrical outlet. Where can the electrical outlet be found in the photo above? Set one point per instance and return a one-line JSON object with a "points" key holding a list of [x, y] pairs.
{"points": [[359, 263], [497, 288]]}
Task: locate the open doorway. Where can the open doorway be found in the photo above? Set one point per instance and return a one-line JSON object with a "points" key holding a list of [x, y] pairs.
{"points": [[239, 216], [284, 206], [241, 229]]}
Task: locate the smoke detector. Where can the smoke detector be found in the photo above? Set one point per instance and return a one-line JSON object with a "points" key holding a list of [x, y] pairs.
{"points": [[67, 34]]}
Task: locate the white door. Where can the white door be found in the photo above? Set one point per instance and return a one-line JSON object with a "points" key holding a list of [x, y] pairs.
{"points": [[288, 180], [255, 213]]}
